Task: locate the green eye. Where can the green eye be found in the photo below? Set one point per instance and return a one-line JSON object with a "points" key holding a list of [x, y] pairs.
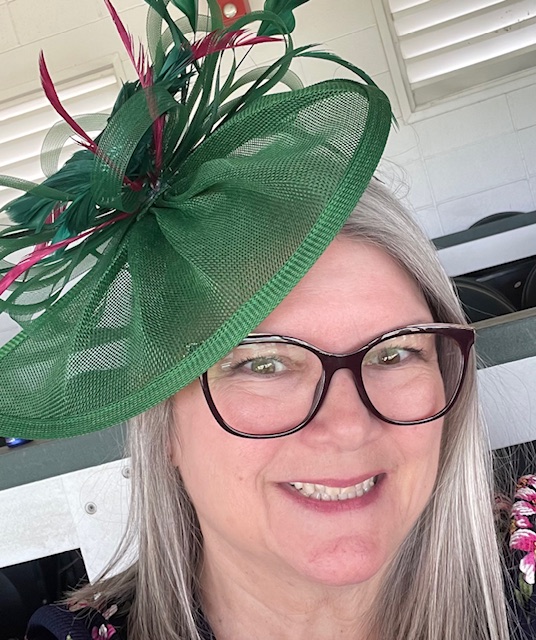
{"points": [[387, 356], [390, 356], [263, 366]]}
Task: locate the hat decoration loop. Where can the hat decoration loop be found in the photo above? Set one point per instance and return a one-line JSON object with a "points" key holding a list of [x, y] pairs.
{"points": [[170, 235]]}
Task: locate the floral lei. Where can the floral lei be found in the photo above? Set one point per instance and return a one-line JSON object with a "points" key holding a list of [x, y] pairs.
{"points": [[523, 535]]}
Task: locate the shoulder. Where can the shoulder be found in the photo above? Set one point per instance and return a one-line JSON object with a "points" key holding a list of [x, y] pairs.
{"points": [[59, 622]]}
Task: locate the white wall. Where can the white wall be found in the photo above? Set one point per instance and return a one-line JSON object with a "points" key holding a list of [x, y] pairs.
{"points": [[462, 160]]}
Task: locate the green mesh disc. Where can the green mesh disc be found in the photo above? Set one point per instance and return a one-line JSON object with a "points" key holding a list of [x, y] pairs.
{"points": [[171, 291]]}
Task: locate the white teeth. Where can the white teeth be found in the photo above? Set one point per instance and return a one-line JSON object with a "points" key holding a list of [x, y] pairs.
{"points": [[322, 492], [330, 491], [307, 489]]}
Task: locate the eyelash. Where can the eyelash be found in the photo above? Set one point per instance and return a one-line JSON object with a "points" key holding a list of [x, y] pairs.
{"points": [[237, 365]]}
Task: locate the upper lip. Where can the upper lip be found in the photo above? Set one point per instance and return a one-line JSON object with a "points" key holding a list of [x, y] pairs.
{"points": [[336, 482]]}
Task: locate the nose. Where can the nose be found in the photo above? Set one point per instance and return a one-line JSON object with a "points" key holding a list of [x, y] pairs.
{"points": [[343, 420]]}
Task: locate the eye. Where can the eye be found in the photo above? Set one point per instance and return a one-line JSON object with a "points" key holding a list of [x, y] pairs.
{"points": [[390, 355], [261, 366], [265, 361]]}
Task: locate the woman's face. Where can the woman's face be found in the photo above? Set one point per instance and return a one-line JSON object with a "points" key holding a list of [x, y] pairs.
{"points": [[250, 514]]}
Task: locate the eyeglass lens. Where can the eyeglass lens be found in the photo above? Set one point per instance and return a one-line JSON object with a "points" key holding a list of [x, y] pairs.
{"points": [[271, 387]]}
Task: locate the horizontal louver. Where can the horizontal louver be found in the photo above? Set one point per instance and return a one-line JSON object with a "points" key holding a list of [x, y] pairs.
{"points": [[25, 122], [451, 45]]}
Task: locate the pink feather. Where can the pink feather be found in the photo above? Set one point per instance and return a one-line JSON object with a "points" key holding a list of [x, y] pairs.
{"points": [[145, 75], [87, 141], [158, 127], [219, 41], [140, 64], [51, 94], [44, 250]]}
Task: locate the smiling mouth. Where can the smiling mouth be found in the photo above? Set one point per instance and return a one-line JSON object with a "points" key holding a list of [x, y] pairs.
{"points": [[323, 492]]}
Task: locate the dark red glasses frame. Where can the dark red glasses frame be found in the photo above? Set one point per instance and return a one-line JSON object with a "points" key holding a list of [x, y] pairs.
{"points": [[332, 362]]}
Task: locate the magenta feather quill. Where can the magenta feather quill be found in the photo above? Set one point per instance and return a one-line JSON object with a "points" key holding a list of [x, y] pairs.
{"points": [[140, 63], [86, 141], [220, 40], [44, 250], [145, 75], [51, 94]]}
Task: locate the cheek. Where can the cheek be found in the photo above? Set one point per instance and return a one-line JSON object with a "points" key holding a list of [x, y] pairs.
{"points": [[193, 442], [225, 477], [221, 472], [419, 449]]}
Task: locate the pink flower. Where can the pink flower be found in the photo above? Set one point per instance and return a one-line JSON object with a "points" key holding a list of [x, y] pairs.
{"points": [[104, 632], [526, 493], [521, 522], [525, 540], [111, 611], [77, 605], [527, 480], [522, 508]]}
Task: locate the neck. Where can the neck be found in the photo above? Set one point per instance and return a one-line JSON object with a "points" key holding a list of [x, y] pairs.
{"points": [[250, 600]]}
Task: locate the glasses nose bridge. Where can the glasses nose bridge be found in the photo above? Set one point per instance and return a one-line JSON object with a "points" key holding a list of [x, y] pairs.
{"points": [[333, 363]]}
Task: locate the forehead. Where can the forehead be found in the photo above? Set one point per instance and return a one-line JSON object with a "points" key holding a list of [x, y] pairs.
{"points": [[353, 293]]}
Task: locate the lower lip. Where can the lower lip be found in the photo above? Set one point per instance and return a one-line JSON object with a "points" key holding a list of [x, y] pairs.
{"points": [[336, 506]]}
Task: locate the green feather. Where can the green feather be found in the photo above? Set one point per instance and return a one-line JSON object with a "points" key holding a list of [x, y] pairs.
{"points": [[176, 121], [216, 17], [127, 91], [332, 57], [30, 211], [160, 7], [34, 188], [189, 8], [141, 162], [75, 173], [284, 9], [79, 216], [172, 74]]}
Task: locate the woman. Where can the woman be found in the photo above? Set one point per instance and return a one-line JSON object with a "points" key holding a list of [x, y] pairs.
{"points": [[221, 530], [279, 489]]}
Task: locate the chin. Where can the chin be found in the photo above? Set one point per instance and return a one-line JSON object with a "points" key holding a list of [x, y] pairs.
{"points": [[347, 562]]}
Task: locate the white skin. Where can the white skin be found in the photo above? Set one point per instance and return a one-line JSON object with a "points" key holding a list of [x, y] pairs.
{"points": [[274, 568]]}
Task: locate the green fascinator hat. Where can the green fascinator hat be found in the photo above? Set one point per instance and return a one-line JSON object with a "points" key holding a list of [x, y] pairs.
{"points": [[165, 240]]}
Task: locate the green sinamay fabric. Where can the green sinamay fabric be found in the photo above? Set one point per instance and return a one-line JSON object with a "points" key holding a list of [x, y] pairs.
{"points": [[171, 290]]}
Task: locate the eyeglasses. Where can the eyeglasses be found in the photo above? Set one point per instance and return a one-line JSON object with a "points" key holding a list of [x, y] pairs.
{"points": [[271, 386]]}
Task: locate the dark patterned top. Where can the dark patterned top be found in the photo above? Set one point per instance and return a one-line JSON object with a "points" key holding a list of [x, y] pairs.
{"points": [[56, 622]]}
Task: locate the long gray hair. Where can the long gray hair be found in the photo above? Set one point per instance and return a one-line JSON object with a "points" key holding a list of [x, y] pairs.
{"points": [[445, 582]]}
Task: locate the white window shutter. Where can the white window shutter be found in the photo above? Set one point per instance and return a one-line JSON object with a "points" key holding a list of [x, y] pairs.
{"points": [[25, 122], [447, 46]]}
